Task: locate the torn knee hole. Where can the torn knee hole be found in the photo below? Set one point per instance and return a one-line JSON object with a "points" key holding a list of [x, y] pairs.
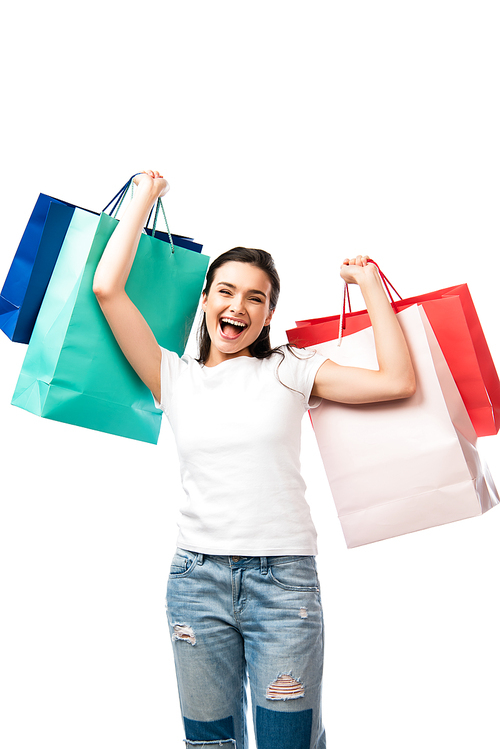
{"points": [[285, 688], [183, 632]]}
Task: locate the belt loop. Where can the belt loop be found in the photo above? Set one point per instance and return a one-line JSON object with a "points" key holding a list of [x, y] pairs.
{"points": [[201, 559], [263, 565]]}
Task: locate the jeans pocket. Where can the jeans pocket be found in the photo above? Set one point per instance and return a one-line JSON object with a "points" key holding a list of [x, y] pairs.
{"points": [[297, 574], [183, 563]]}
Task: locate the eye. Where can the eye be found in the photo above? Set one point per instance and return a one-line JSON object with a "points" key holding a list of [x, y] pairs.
{"points": [[256, 299], [225, 291]]}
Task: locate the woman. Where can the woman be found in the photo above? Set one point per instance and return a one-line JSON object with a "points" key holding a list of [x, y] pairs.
{"points": [[243, 595]]}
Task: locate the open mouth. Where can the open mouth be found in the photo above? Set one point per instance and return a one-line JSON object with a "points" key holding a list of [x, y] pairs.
{"points": [[231, 329]]}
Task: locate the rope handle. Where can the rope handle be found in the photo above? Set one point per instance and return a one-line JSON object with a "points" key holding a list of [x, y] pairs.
{"points": [[387, 285], [159, 204], [118, 199]]}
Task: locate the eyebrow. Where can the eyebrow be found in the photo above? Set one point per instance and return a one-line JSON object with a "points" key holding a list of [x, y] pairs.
{"points": [[250, 291]]}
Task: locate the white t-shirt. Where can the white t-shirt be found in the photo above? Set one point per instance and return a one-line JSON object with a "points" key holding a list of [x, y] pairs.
{"points": [[237, 429]]}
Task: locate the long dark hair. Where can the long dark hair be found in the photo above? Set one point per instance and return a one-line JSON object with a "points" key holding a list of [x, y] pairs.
{"points": [[261, 347]]}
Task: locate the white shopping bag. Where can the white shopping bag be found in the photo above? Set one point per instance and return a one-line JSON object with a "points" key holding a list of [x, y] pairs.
{"points": [[401, 466]]}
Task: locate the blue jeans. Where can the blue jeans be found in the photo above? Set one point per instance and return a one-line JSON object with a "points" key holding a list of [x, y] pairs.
{"points": [[256, 618]]}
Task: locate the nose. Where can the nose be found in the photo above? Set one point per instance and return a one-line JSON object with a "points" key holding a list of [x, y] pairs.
{"points": [[237, 305]]}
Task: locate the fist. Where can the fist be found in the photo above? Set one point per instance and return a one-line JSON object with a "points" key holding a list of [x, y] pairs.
{"points": [[152, 181], [355, 269]]}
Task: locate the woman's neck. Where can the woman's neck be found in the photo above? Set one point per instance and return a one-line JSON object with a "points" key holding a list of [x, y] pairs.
{"points": [[216, 357]]}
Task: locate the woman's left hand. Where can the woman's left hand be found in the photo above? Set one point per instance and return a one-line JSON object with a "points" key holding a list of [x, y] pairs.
{"points": [[355, 269], [394, 377]]}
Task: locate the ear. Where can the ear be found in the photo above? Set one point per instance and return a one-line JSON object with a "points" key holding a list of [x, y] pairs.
{"points": [[269, 318], [203, 301]]}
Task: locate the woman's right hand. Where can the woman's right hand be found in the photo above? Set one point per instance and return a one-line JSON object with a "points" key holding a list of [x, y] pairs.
{"points": [[154, 182]]}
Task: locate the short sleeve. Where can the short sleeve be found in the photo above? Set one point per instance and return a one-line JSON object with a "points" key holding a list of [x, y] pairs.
{"points": [[298, 371], [172, 367]]}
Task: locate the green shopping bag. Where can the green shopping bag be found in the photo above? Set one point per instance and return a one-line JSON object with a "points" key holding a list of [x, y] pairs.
{"points": [[74, 371]]}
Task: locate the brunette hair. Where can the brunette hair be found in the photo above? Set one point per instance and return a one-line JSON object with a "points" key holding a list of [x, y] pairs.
{"points": [[261, 347]]}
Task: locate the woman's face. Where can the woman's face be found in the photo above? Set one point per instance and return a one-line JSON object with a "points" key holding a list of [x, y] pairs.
{"points": [[236, 309]]}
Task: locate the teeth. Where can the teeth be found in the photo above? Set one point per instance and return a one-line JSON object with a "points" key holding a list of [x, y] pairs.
{"points": [[234, 322]]}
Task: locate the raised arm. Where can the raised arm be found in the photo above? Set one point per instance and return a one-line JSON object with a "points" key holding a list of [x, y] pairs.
{"points": [[133, 334], [395, 377]]}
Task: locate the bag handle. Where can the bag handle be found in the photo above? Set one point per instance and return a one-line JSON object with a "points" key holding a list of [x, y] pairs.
{"points": [[120, 195], [156, 208], [118, 199], [387, 285]]}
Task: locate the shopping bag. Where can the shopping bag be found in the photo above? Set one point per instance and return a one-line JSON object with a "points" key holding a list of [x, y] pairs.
{"points": [[455, 322], [74, 371], [401, 466], [32, 266]]}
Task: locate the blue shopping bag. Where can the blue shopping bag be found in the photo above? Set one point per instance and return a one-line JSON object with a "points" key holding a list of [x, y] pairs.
{"points": [[32, 266]]}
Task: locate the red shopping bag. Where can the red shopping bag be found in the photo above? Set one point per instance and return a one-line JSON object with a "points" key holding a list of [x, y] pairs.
{"points": [[455, 322]]}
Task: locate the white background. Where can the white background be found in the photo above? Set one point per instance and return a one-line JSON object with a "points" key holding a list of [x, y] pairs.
{"points": [[315, 131]]}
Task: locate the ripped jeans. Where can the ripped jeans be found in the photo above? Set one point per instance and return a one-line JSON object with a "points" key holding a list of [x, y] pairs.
{"points": [[256, 618]]}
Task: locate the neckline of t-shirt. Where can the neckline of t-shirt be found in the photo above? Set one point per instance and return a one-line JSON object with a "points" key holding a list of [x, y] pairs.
{"points": [[227, 361]]}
